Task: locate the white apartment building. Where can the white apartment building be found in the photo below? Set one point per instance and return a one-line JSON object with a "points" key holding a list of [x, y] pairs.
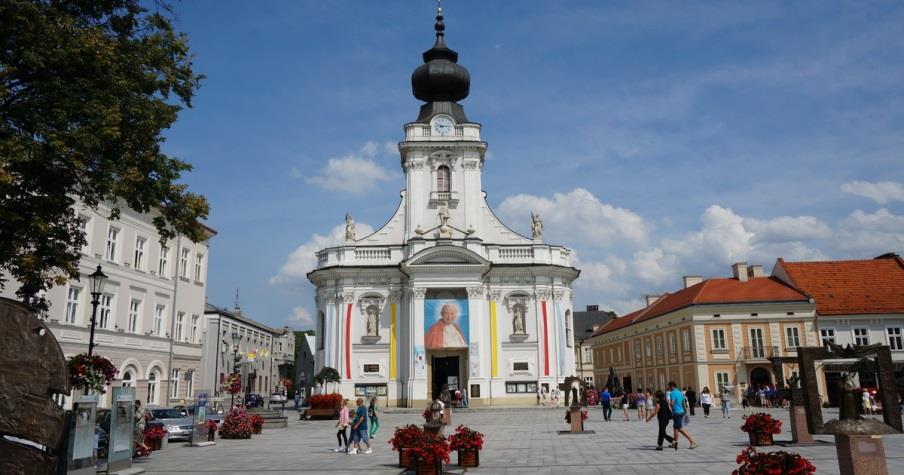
{"points": [[149, 319]]}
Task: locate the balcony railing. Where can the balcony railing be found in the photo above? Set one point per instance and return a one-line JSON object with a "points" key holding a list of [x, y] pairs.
{"points": [[439, 197], [757, 353]]}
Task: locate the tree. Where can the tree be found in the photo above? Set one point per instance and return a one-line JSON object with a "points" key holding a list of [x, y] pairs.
{"points": [[326, 376], [87, 88]]}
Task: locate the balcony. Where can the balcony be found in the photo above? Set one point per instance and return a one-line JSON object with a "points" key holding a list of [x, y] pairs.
{"points": [[757, 353], [439, 197]]}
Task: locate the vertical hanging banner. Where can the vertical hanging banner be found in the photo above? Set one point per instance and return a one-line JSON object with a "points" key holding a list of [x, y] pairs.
{"points": [[562, 344], [348, 342], [494, 353], [420, 362], [328, 345], [545, 341], [446, 323]]}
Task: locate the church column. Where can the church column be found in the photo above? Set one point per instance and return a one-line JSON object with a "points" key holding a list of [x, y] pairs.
{"points": [[497, 381], [417, 382], [477, 346]]}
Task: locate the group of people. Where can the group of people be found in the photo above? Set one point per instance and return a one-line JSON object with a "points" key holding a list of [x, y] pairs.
{"points": [[364, 423], [763, 395], [548, 397]]}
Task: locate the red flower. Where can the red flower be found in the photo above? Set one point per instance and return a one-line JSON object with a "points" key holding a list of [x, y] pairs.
{"points": [[431, 448], [325, 401], [405, 437], [772, 463], [762, 422], [155, 433], [465, 438]]}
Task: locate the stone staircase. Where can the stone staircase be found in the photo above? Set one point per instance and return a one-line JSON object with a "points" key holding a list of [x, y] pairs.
{"points": [[272, 417]]}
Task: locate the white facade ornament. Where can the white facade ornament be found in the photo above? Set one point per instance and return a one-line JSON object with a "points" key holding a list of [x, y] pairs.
{"points": [[475, 292], [419, 292], [443, 212], [349, 228], [543, 294], [536, 226], [418, 230]]}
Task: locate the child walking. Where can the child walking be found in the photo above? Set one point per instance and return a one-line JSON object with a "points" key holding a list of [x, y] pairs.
{"points": [[342, 425]]}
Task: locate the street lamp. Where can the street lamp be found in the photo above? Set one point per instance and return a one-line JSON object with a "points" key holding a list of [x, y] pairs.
{"points": [[98, 279], [236, 338]]}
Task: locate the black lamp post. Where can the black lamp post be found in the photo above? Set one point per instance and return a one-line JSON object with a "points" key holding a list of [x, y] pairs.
{"points": [[98, 279], [236, 338]]}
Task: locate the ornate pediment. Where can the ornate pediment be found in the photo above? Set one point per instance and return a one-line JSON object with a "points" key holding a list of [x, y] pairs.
{"points": [[445, 258]]}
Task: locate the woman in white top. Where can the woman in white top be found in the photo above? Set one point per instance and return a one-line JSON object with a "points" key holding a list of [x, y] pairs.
{"points": [[706, 400], [867, 406]]}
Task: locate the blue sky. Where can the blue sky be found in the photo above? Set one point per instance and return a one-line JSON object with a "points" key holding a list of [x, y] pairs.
{"points": [[657, 139]]}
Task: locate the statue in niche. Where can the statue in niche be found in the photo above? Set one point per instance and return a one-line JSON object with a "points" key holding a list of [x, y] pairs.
{"points": [[349, 228], [443, 213], [536, 226], [373, 320], [518, 311]]}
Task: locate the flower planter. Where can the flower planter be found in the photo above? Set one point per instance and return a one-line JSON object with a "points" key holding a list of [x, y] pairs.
{"points": [[154, 444], [405, 459], [327, 413], [468, 458], [211, 435], [425, 468], [760, 439], [256, 430]]}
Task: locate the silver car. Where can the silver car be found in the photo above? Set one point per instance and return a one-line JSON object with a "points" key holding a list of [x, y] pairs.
{"points": [[178, 426]]}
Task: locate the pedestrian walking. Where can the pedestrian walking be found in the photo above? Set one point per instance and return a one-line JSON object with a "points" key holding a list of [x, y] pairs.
{"points": [[641, 402], [606, 401], [678, 405], [464, 397], [706, 400], [664, 415], [372, 416], [297, 399], [625, 405], [691, 399], [359, 429], [650, 401], [342, 426], [723, 399]]}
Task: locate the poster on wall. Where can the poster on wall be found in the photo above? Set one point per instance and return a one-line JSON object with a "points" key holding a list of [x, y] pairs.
{"points": [[420, 362], [474, 359], [445, 323]]}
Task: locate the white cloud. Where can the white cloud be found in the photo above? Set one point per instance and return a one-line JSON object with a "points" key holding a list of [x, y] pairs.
{"points": [[356, 173], [301, 318], [304, 258], [787, 228], [881, 192], [871, 233], [579, 216]]}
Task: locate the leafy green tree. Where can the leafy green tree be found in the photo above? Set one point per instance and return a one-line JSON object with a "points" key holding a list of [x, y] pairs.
{"points": [[326, 376], [86, 89]]}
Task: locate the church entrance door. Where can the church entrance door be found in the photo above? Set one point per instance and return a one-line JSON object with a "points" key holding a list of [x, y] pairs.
{"points": [[444, 370]]}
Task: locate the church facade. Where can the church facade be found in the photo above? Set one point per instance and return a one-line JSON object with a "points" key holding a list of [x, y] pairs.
{"points": [[444, 294]]}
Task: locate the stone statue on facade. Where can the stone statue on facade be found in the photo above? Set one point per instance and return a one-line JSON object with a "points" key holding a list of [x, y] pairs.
{"points": [[349, 228], [373, 321], [443, 212], [518, 319], [536, 226]]}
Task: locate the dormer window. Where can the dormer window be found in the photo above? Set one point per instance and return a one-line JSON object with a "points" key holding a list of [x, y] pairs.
{"points": [[443, 182]]}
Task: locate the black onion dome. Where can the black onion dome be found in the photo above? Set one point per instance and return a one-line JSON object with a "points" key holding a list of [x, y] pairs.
{"points": [[440, 78]]}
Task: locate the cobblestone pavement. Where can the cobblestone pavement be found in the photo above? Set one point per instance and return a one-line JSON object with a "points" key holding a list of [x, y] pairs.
{"points": [[523, 440]]}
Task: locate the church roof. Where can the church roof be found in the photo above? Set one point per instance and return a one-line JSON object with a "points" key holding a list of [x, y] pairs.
{"points": [[441, 81], [852, 287]]}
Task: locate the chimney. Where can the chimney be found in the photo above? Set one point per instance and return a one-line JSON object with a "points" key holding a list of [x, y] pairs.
{"points": [[755, 271], [691, 280], [593, 308], [652, 298], [739, 271]]}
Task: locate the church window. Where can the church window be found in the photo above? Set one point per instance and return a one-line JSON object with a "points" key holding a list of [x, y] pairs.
{"points": [[443, 183]]}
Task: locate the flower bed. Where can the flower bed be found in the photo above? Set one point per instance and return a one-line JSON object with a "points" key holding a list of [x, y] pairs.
{"points": [[257, 423], [94, 373], [325, 401], [236, 425], [778, 463], [154, 435], [468, 443], [431, 449]]}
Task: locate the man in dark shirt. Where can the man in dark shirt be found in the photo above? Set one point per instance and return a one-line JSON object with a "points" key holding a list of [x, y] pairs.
{"points": [[691, 396], [359, 428]]}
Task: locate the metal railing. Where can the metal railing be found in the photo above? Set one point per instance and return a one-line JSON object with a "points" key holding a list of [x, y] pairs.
{"points": [[757, 352]]}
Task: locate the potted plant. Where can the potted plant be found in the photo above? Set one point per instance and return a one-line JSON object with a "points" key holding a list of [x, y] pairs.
{"points": [[760, 427], [403, 439], [324, 406], [468, 443], [753, 462], [94, 372], [153, 436], [211, 430], [257, 423], [430, 451], [236, 425]]}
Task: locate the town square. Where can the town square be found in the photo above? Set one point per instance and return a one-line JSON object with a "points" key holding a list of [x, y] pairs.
{"points": [[451, 236]]}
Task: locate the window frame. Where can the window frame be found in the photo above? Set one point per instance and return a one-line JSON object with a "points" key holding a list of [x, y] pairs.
{"points": [[180, 320], [823, 335], [111, 252], [72, 305], [134, 324], [899, 336], [443, 179], [163, 262], [159, 319], [199, 264], [104, 310], [184, 259], [860, 339]]}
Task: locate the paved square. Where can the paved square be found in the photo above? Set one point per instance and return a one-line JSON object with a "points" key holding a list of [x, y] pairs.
{"points": [[523, 440]]}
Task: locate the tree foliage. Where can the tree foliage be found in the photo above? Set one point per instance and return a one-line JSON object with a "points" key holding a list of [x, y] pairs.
{"points": [[326, 376], [88, 86]]}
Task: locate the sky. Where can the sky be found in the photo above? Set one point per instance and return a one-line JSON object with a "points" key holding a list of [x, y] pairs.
{"points": [[656, 139]]}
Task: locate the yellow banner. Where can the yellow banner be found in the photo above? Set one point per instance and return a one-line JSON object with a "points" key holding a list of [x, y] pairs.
{"points": [[392, 341], [494, 353]]}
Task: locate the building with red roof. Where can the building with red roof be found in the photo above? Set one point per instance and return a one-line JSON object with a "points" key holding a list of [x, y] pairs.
{"points": [[715, 333], [858, 302]]}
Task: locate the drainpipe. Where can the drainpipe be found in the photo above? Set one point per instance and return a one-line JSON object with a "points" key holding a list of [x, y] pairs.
{"points": [[173, 314]]}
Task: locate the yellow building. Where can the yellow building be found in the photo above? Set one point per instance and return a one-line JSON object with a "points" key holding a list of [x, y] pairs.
{"points": [[715, 333]]}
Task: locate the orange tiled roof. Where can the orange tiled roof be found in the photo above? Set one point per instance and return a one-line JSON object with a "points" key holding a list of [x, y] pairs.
{"points": [[710, 291], [851, 287]]}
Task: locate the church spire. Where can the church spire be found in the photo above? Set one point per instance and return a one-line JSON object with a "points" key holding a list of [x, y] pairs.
{"points": [[440, 79]]}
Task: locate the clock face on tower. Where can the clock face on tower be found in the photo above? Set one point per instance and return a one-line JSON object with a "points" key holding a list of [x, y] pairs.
{"points": [[442, 125]]}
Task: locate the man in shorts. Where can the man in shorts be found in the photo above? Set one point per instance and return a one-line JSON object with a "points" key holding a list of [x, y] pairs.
{"points": [[678, 404], [359, 429]]}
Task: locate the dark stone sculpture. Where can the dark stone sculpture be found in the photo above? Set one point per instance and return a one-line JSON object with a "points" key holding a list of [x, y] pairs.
{"points": [[613, 383], [32, 370], [574, 396]]}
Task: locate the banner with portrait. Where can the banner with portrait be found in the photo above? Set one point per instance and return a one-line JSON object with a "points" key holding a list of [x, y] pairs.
{"points": [[445, 323]]}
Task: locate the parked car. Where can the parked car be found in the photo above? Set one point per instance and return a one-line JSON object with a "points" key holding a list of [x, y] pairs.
{"points": [[254, 400], [277, 398], [178, 426]]}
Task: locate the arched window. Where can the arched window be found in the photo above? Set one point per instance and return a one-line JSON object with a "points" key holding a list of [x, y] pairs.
{"points": [[152, 387], [127, 380], [443, 183]]}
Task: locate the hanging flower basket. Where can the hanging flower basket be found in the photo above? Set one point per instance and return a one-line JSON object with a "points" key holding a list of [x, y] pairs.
{"points": [[779, 462], [233, 384], [94, 373]]}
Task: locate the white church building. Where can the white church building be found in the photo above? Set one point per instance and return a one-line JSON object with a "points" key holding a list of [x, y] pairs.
{"points": [[444, 294]]}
